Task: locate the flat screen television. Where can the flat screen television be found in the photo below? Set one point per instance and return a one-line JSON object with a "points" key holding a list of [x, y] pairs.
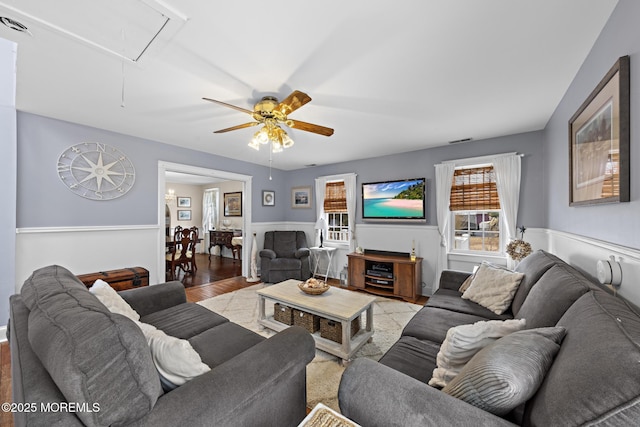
{"points": [[394, 200]]}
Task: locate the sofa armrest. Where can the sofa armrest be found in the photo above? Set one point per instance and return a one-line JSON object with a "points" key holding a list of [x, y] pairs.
{"points": [[452, 279], [372, 394], [302, 252], [149, 299], [264, 385], [267, 253]]}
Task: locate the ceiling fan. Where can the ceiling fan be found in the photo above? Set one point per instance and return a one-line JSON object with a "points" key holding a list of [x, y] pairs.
{"points": [[271, 113]]}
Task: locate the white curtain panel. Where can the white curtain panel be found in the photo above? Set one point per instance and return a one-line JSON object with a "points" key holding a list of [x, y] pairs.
{"points": [[209, 215], [507, 170], [320, 189], [444, 176], [350, 186]]}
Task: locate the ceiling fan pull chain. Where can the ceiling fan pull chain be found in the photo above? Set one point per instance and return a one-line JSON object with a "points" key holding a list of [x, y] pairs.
{"points": [[123, 70]]}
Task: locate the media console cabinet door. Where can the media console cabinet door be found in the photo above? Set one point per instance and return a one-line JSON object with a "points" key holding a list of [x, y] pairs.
{"points": [[404, 280], [356, 272]]}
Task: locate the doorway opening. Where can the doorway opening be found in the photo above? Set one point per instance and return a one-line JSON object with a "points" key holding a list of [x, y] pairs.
{"points": [[242, 222]]}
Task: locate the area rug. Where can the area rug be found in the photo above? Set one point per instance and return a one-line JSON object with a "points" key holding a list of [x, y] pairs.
{"points": [[325, 371]]}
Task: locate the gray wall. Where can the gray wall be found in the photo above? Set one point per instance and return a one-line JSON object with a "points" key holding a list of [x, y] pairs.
{"points": [[421, 164], [7, 175], [43, 201], [617, 223]]}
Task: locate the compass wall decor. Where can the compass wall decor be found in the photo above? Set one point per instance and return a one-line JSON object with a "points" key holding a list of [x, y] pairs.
{"points": [[96, 171]]}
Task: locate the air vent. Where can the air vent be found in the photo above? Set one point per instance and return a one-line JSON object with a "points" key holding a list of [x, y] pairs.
{"points": [[310, 165], [457, 141], [14, 25]]}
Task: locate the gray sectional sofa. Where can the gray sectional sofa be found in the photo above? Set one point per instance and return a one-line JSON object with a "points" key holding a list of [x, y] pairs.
{"points": [[73, 362], [593, 380]]}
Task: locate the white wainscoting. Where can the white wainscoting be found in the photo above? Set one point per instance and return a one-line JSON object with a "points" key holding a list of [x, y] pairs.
{"points": [[87, 249], [584, 253]]}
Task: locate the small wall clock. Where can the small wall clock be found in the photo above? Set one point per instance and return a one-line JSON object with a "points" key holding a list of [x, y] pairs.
{"points": [[96, 171]]}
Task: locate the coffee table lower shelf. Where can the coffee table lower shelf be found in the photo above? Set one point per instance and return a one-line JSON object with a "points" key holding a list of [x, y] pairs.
{"points": [[344, 352]]}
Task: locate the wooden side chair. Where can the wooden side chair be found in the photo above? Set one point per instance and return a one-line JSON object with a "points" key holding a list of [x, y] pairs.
{"points": [[183, 254]]}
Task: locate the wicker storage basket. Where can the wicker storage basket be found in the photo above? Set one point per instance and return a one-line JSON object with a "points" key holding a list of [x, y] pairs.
{"points": [[332, 330], [283, 314], [309, 321]]}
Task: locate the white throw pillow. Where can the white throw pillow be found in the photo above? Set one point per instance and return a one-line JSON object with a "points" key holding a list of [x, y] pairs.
{"points": [[175, 359], [114, 302], [493, 287], [464, 341]]}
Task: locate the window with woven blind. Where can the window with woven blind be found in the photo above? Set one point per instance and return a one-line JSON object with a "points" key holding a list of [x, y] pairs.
{"points": [[474, 189], [335, 197], [335, 207]]}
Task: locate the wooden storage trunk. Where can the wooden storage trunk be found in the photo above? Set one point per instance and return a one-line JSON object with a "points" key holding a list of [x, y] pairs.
{"points": [[283, 314], [309, 321], [121, 279], [332, 330]]}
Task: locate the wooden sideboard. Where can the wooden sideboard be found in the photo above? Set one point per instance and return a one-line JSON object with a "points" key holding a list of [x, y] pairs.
{"points": [[386, 275], [223, 238]]}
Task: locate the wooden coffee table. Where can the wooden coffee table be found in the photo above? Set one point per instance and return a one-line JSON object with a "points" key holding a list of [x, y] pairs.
{"points": [[336, 304]]}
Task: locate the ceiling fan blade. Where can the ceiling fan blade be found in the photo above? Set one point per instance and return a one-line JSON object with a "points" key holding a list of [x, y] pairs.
{"points": [[292, 102], [309, 127], [244, 110], [246, 125]]}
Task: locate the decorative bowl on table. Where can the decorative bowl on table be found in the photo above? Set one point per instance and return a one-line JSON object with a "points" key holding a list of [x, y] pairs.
{"points": [[313, 287]]}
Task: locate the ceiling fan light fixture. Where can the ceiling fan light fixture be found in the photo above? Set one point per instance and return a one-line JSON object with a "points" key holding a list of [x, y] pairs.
{"points": [[276, 147], [286, 141], [255, 144]]}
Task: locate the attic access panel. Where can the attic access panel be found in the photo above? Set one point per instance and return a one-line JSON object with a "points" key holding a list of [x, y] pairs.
{"points": [[125, 28]]}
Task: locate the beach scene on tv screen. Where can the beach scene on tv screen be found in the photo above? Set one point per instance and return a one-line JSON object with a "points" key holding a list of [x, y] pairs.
{"points": [[399, 199]]}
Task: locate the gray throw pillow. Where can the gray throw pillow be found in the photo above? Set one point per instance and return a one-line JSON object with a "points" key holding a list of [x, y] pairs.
{"points": [[507, 373]]}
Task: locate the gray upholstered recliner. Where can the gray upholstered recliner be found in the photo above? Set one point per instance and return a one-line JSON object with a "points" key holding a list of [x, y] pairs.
{"points": [[285, 256]]}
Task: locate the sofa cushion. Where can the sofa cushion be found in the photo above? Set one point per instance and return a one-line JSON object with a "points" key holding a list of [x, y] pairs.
{"points": [[432, 323], [506, 373], [217, 345], [595, 377], [184, 320], [533, 267], [49, 282], [92, 355], [175, 359], [464, 341], [552, 295], [114, 302], [493, 287], [452, 300], [413, 357]]}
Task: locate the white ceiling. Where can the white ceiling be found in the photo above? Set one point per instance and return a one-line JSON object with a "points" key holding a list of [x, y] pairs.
{"points": [[387, 76]]}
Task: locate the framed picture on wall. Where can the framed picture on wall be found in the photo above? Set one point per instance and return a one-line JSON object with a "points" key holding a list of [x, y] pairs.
{"points": [[268, 198], [233, 204], [184, 202], [301, 197], [184, 215], [599, 142]]}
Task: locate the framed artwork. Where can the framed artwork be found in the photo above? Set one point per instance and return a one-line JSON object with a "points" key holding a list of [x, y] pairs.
{"points": [[599, 142], [184, 202], [184, 215], [233, 204], [301, 197], [268, 198]]}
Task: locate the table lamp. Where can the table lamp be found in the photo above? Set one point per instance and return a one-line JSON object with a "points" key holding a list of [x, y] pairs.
{"points": [[320, 225]]}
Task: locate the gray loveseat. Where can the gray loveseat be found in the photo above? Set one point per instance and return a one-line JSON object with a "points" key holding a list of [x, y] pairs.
{"points": [[593, 380], [73, 362]]}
